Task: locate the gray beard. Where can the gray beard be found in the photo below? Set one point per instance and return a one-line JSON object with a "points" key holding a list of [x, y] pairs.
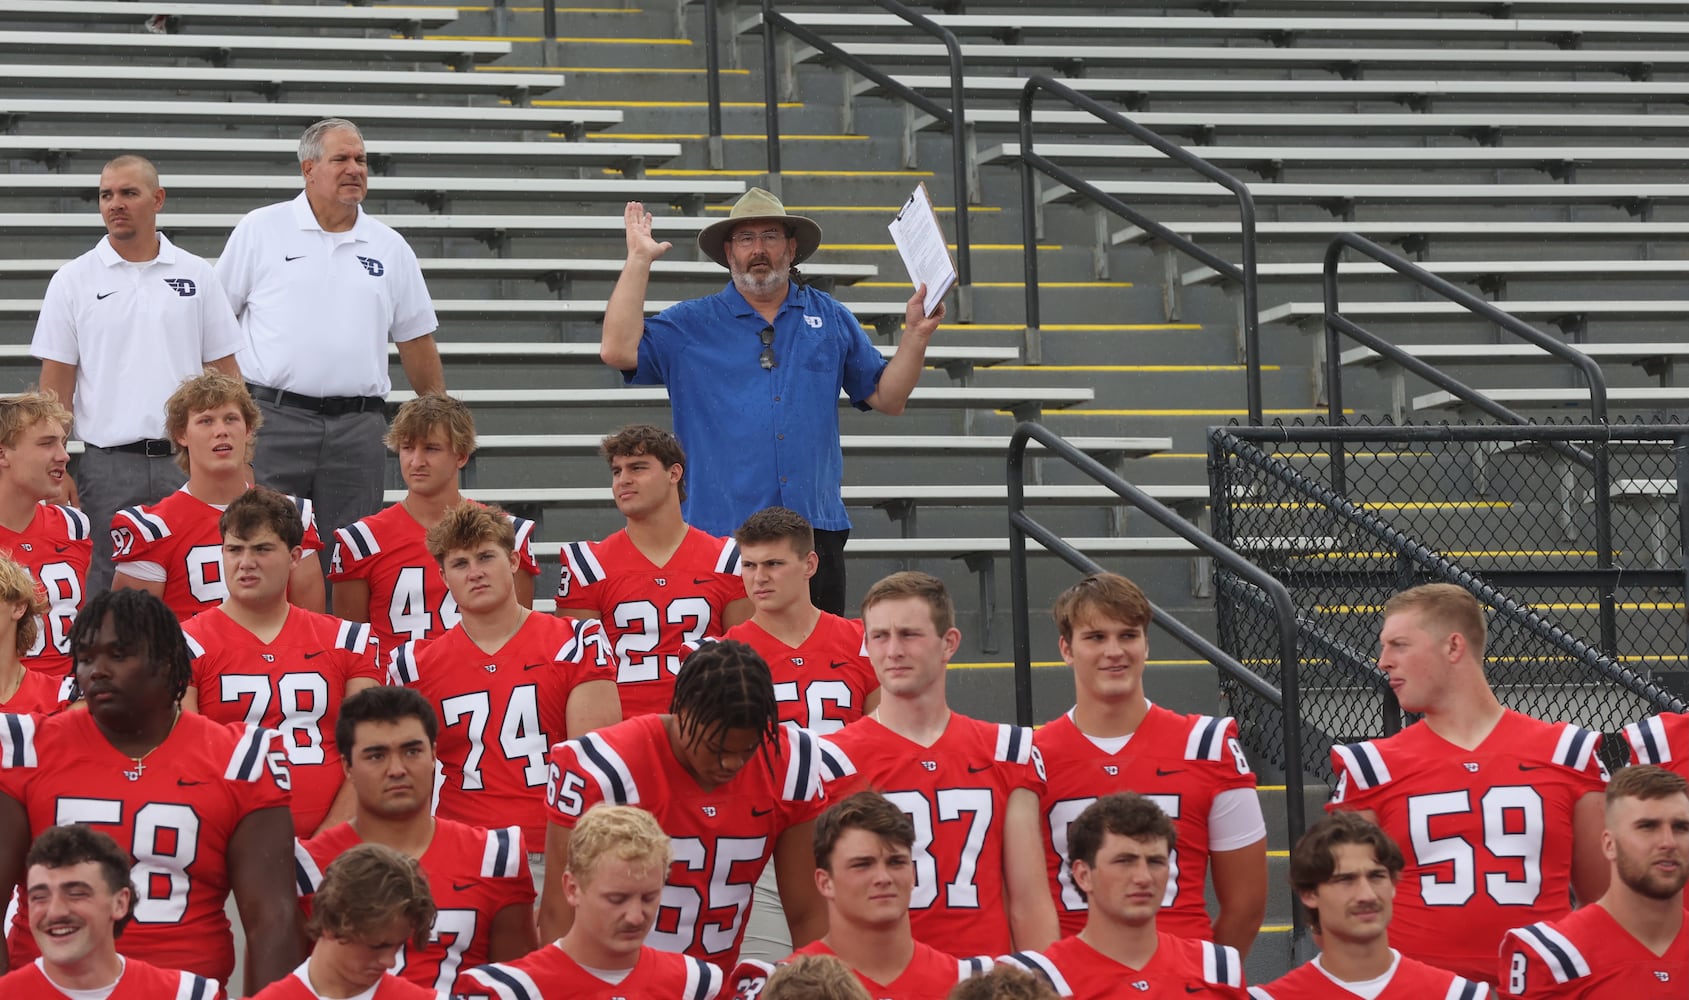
{"points": [[749, 286]]}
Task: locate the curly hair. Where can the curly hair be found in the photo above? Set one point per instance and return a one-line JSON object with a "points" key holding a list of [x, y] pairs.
{"points": [[646, 439], [139, 619], [73, 844], [721, 686], [465, 525]]}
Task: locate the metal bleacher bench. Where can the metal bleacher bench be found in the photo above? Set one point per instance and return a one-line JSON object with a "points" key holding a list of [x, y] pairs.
{"points": [[630, 158], [223, 49], [1672, 398], [1267, 159], [275, 82], [494, 229], [689, 194], [1025, 402], [1488, 274], [1658, 359], [572, 122], [408, 20]]}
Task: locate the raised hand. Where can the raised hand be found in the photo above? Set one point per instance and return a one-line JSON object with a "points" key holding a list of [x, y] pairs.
{"points": [[915, 318], [641, 244]]}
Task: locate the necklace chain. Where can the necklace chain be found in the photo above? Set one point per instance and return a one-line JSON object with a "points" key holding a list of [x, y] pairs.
{"points": [[140, 765]]}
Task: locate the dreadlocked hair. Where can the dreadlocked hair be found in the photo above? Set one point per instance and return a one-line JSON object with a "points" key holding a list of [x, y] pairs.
{"points": [[138, 619], [725, 685]]}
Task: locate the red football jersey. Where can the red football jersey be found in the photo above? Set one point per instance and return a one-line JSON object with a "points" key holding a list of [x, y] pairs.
{"points": [[293, 685], [930, 974], [39, 693], [174, 813], [651, 613], [550, 972], [138, 981], [473, 873], [1181, 967], [408, 599], [298, 987], [1181, 763], [822, 684], [1487, 833], [722, 838], [1407, 980], [56, 548], [180, 533], [956, 792], [500, 712], [1661, 739], [1587, 954]]}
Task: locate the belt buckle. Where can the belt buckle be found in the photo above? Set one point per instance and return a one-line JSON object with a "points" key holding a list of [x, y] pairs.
{"points": [[156, 448]]}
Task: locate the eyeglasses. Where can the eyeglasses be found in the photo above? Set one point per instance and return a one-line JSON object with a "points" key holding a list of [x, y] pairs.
{"points": [[767, 358], [747, 240]]}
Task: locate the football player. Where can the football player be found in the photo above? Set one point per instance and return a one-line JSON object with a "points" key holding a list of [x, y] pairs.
{"points": [[1633, 941], [970, 787], [1344, 872], [381, 570], [483, 894], [1115, 739], [659, 585], [614, 884], [729, 784], [23, 690], [1497, 813], [200, 806], [865, 871], [505, 682], [172, 548], [51, 540], [262, 661], [1121, 850], [1662, 740], [78, 899]]}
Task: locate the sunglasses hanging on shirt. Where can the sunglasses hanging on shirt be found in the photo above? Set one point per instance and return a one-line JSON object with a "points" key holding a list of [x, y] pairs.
{"points": [[767, 358]]}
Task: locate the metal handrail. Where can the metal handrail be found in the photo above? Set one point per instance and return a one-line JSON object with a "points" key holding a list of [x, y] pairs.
{"points": [[1596, 459], [1286, 697], [954, 117], [1243, 273]]}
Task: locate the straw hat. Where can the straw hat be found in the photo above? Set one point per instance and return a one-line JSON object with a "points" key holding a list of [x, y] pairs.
{"points": [[758, 204]]}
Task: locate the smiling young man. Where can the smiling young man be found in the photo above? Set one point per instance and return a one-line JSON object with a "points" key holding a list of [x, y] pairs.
{"points": [[1122, 847], [1344, 872], [381, 570], [865, 871], [1634, 940], [479, 878], [1497, 813], [970, 787], [51, 540], [173, 548], [732, 787], [658, 585], [372, 904], [1115, 739], [201, 807], [614, 884], [78, 898], [505, 682], [261, 661]]}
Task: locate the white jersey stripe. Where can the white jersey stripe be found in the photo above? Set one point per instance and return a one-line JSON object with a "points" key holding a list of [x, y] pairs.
{"points": [[150, 525], [835, 763], [508, 983], [247, 762], [1559, 954], [1220, 964], [499, 859], [17, 741], [1365, 765], [306, 875], [729, 560], [195, 650], [1037, 964], [77, 525], [703, 980], [1648, 739], [1466, 989], [401, 668], [606, 767]]}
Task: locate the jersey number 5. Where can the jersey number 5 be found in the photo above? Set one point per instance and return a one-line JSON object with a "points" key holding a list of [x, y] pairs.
{"points": [[1511, 828]]}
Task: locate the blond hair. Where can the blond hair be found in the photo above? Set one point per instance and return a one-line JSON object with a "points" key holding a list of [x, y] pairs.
{"points": [[209, 390], [467, 524], [624, 833], [1443, 610], [18, 587], [914, 584], [1105, 595], [417, 419], [814, 977], [20, 412]]}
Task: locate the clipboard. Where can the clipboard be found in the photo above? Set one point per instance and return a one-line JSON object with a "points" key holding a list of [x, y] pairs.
{"points": [[921, 242]]}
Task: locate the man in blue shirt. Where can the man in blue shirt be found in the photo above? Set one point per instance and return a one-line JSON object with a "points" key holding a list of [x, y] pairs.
{"points": [[754, 374]]}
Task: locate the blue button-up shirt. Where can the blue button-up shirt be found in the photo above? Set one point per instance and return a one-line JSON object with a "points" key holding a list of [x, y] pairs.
{"points": [[758, 437]]}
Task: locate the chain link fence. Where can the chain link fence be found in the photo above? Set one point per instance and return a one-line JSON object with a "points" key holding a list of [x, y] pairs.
{"points": [[1347, 516]]}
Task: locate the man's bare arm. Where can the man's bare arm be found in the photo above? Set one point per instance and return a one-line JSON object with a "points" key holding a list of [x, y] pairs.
{"points": [[260, 861], [556, 915], [226, 364], [624, 314], [420, 358]]}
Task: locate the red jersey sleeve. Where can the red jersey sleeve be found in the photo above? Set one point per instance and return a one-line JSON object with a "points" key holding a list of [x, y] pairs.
{"points": [[1661, 740], [582, 773], [580, 582], [1538, 961], [525, 560]]}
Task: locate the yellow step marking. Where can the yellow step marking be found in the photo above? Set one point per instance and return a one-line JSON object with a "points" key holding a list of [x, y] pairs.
{"points": [[678, 105], [1177, 413], [1127, 368]]}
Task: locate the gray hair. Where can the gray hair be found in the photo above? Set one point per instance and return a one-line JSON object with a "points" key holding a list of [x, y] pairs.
{"points": [[311, 143]]}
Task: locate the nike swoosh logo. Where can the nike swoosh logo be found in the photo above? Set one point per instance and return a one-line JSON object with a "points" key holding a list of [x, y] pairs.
{"points": [[1159, 773], [312, 656], [61, 548], [465, 887], [761, 812], [185, 783], [97, 295], [837, 664], [699, 583], [532, 666], [1195, 989], [1532, 767], [285, 257], [978, 770]]}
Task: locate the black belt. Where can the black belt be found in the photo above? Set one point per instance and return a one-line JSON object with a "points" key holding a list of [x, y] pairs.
{"points": [[328, 406], [150, 447]]}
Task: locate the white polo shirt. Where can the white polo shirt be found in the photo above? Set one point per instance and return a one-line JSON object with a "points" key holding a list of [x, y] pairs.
{"points": [[134, 332], [317, 307]]}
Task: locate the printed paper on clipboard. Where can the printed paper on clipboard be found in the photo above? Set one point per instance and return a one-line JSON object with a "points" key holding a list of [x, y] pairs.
{"points": [[920, 242]]}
